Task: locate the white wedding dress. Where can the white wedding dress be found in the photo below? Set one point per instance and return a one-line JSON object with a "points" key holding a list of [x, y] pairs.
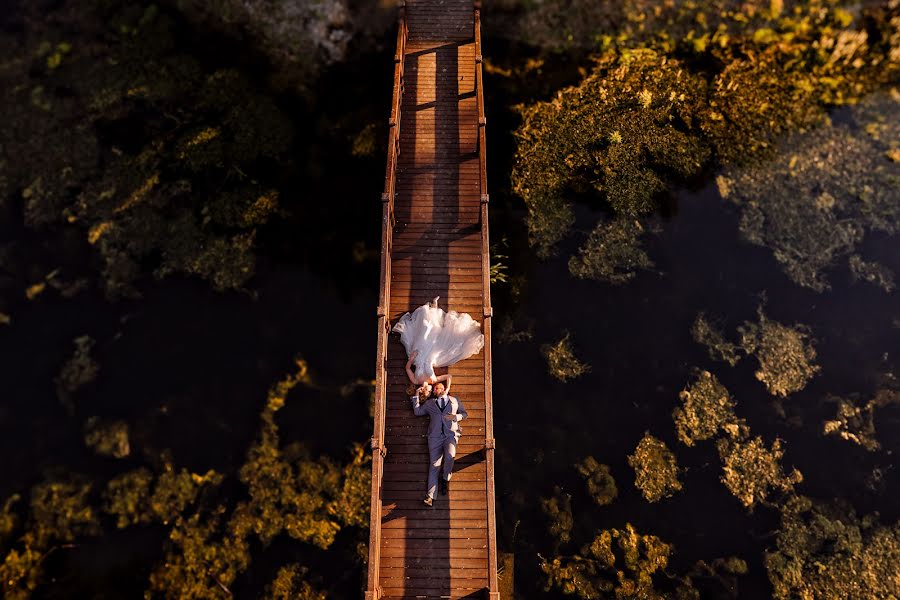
{"points": [[441, 338]]}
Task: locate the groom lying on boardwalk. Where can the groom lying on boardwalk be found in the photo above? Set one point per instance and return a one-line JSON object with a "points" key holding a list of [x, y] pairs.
{"points": [[443, 432]]}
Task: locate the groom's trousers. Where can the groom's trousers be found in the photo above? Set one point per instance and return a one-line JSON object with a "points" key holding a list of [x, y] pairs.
{"points": [[442, 451]]}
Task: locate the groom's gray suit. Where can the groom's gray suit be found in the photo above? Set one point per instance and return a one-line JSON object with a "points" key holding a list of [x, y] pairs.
{"points": [[443, 435]]}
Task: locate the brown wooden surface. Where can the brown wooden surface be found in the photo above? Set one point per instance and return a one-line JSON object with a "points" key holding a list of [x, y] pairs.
{"points": [[434, 244]]}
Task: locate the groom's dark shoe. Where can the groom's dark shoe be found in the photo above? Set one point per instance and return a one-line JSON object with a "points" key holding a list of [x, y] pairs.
{"points": [[444, 486]]}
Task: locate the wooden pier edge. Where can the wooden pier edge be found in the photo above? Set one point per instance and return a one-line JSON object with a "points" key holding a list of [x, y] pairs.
{"points": [[379, 451]]}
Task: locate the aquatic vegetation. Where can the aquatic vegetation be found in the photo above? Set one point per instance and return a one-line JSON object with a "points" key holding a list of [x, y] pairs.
{"points": [[211, 538], [79, 370], [644, 119], [627, 570], [561, 360], [784, 353], [185, 193], [291, 584], [131, 500], [871, 272], [718, 347], [600, 483], [824, 550], [612, 253], [107, 438], [750, 470], [298, 38], [288, 493], [655, 469], [707, 409], [364, 144], [564, 144], [814, 207], [855, 422], [558, 509], [59, 513]]}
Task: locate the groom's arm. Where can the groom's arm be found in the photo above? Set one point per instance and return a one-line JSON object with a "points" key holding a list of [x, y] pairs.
{"points": [[418, 409], [460, 411]]}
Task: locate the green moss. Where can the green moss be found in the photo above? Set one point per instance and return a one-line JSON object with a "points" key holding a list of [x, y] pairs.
{"points": [[655, 468]]}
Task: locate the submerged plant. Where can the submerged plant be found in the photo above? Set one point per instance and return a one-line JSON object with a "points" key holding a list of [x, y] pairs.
{"points": [[561, 360], [79, 370], [612, 253], [107, 438], [707, 409], [786, 358], [855, 422], [600, 483], [558, 509], [750, 470], [648, 117], [655, 469], [824, 550], [717, 345]]}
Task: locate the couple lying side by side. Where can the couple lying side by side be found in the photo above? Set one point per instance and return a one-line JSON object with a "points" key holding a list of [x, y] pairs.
{"points": [[433, 339]]}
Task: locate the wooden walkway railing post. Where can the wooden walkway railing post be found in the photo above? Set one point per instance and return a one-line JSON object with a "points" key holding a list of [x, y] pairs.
{"points": [[379, 450], [488, 313]]}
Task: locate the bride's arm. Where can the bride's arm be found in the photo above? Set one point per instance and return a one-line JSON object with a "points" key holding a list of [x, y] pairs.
{"points": [[409, 372], [449, 379]]}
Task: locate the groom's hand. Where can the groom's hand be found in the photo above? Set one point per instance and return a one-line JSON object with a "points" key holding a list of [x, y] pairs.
{"points": [[450, 417]]}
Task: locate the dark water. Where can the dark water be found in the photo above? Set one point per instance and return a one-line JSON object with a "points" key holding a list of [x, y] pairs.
{"points": [[188, 368]]}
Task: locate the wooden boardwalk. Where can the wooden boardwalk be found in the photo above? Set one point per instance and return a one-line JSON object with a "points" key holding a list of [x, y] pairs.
{"points": [[434, 243]]}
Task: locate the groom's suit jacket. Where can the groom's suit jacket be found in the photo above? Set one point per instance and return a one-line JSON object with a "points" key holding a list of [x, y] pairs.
{"points": [[438, 426]]}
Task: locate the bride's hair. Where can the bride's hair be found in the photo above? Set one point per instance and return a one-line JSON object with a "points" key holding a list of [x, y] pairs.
{"points": [[412, 390], [424, 392]]}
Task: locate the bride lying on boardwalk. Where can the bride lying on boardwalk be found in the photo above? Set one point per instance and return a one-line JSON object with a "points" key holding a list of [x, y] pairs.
{"points": [[434, 338]]}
